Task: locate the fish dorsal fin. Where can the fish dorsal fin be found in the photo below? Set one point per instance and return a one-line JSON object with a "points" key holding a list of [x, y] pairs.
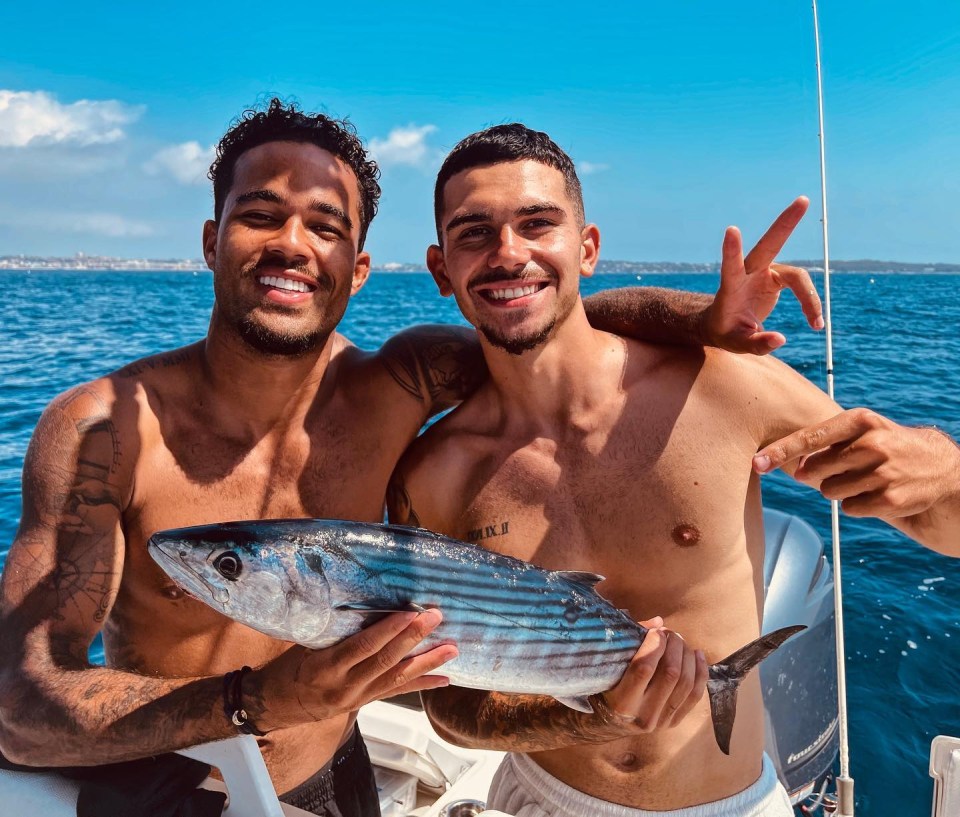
{"points": [[580, 577], [579, 702], [377, 608]]}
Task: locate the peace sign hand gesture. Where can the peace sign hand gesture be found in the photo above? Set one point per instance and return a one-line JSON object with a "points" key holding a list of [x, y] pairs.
{"points": [[751, 286]]}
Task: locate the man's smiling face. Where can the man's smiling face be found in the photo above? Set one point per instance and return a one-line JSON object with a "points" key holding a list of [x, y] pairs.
{"points": [[284, 252], [513, 250]]}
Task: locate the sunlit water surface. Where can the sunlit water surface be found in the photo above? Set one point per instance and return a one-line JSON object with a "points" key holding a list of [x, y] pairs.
{"points": [[896, 350]]}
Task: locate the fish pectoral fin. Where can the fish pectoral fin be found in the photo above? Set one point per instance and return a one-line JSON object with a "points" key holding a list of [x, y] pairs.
{"points": [[579, 702], [374, 608], [580, 577]]}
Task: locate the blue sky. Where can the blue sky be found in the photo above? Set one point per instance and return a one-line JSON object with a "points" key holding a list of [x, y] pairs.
{"points": [[682, 116]]}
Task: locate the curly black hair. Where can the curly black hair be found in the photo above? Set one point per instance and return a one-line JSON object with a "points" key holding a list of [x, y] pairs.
{"points": [[286, 123]]}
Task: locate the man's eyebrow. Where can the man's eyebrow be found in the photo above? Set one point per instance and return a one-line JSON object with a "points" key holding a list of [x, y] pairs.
{"points": [[260, 195], [540, 207], [332, 210], [316, 205], [468, 218]]}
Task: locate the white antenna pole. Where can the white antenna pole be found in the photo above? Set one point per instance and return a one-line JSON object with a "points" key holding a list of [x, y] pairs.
{"points": [[844, 781]]}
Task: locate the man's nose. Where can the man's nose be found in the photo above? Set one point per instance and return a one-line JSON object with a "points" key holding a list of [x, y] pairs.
{"points": [[290, 240], [510, 252]]}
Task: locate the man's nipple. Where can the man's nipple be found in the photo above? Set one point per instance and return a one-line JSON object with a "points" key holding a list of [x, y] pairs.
{"points": [[685, 535], [627, 762]]}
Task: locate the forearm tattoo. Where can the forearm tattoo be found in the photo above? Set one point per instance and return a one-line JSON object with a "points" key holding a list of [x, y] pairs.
{"points": [[520, 723]]}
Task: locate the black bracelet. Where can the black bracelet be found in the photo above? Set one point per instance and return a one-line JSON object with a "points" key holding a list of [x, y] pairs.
{"points": [[233, 702]]}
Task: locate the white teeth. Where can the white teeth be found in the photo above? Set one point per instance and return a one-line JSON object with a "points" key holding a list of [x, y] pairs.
{"points": [[283, 283], [506, 294]]}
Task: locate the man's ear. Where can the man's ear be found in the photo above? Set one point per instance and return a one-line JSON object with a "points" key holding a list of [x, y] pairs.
{"points": [[438, 268], [210, 243], [589, 249], [361, 272]]}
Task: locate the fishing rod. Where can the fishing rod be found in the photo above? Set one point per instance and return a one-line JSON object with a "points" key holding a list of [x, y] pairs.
{"points": [[844, 780]]}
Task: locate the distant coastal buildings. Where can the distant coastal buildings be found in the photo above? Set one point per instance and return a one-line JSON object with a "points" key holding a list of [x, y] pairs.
{"points": [[80, 261]]}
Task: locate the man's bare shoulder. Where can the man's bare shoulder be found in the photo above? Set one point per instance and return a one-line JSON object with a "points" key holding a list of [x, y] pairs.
{"points": [[765, 391], [158, 367]]}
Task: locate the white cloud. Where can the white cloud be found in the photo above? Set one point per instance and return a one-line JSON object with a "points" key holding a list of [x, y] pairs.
{"points": [[37, 118], [97, 223], [586, 168], [109, 224], [404, 146], [187, 163]]}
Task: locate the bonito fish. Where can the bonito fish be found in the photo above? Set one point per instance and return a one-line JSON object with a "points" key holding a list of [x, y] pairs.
{"points": [[518, 628]]}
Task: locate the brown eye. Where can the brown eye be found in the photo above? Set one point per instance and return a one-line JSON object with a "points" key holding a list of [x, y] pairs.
{"points": [[229, 565]]}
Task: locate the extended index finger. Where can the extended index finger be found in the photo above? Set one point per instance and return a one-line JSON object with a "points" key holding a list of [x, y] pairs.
{"points": [[772, 241], [839, 428]]}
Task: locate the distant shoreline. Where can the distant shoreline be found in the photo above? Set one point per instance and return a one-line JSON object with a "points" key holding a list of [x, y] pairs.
{"points": [[105, 264]]}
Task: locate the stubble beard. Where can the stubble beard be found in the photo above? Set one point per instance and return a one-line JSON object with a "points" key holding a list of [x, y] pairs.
{"points": [[286, 344], [279, 344], [518, 345]]}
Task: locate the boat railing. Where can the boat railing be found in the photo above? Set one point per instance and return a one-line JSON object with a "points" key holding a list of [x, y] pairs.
{"points": [[945, 771]]}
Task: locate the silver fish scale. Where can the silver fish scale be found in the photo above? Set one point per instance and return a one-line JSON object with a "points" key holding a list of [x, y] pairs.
{"points": [[518, 628]]}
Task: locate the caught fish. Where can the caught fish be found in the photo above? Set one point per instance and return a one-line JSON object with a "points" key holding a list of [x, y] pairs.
{"points": [[518, 628]]}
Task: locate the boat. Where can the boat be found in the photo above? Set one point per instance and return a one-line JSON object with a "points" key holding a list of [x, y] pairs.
{"points": [[421, 775]]}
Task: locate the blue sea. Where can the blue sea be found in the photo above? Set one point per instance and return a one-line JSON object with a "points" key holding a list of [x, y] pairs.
{"points": [[896, 349]]}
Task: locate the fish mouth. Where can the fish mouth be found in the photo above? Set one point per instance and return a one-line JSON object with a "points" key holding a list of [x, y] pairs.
{"points": [[173, 560]]}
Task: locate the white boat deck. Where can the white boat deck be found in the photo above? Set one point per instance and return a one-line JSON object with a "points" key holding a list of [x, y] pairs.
{"points": [[418, 774]]}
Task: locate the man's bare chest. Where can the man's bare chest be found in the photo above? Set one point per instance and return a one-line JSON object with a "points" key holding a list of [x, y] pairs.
{"points": [[331, 472], [667, 502]]}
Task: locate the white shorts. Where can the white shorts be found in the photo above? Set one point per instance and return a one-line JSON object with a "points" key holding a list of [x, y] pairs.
{"points": [[522, 788]]}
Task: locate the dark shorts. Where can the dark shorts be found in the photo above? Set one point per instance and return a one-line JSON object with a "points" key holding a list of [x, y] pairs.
{"points": [[344, 787]]}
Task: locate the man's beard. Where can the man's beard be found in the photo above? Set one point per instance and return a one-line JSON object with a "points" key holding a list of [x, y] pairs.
{"points": [[279, 344], [518, 345]]}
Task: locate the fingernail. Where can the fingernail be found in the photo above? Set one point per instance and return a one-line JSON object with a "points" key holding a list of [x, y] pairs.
{"points": [[701, 656], [818, 323], [762, 463]]}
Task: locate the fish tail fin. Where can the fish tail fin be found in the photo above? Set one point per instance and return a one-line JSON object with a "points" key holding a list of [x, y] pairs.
{"points": [[726, 675]]}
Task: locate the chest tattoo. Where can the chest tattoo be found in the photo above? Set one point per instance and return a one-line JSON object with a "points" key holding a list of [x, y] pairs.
{"points": [[488, 531]]}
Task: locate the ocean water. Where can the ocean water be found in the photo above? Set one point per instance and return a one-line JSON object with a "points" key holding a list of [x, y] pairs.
{"points": [[896, 350]]}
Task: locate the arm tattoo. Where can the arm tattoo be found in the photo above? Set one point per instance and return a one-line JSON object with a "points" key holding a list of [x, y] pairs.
{"points": [[438, 365], [399, 504], [71, 512], [163, 361], [518, 723]]}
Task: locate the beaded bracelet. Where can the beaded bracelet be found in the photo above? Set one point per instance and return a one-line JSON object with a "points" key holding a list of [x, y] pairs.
{"points": [[233, 702]]}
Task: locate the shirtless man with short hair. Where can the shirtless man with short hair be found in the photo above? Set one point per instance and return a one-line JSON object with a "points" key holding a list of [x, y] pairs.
{"points": [[273, 414], [585, 451]]}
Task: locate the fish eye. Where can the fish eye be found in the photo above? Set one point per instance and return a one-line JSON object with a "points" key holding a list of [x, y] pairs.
{"points": [[229, 565]]}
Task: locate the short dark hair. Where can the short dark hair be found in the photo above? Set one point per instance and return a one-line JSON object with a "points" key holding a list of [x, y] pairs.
{"points": [[286, 123], [506, 143]]}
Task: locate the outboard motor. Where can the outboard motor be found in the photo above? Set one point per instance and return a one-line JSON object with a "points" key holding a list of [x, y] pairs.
{"points": [[800, 679]]}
